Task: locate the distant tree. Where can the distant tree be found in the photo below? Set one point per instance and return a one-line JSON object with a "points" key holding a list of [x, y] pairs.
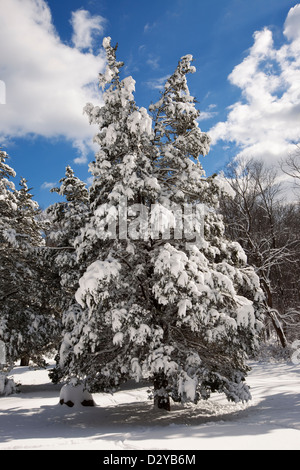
{"points": [[291, 165], [157, 302], [28, 326]]}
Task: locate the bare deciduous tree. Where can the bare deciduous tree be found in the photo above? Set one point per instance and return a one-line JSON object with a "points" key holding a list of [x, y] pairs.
{"points": [[291, 166], [267, 227]]}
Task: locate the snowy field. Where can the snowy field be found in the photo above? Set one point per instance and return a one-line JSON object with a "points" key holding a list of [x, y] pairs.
{"points": [[33, 419]]}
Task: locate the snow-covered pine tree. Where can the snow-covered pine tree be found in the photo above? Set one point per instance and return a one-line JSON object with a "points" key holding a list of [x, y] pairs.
{"points": [[28, 326], [183, 315], [65, 220], [122, 173], [7, 206], [179, 139], [218, 296]]}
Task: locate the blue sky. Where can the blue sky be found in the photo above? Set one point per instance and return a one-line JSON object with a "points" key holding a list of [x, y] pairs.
{"points": [[247, 56]]}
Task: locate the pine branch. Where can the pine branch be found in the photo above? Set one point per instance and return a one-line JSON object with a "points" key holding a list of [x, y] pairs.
{"points": [[9, 294]]}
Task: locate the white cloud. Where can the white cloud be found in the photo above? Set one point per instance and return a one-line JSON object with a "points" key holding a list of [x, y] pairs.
{"points": [[47, 185], [84, 26], [149, 27], [2, 92], [265, 122], [82, 150], [208, 114], [47, 82], [153, 62], [292, 24], [157, 83]]}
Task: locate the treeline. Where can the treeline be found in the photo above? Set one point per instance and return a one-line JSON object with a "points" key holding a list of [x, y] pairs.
{"points": [[38, 270]]}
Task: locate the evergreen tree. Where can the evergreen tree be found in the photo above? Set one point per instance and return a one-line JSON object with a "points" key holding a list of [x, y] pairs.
{"points": [[179, 139], [65, 220], [28, 326], [154, 302]]}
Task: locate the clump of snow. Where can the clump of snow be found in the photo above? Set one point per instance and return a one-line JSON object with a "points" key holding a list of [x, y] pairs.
{"points": [[7, 385], [136, 369], [10, 236], [106, 41], [118, 338], [182, 307], [140, 120], [97, 271], [240, 253], [245, 312], [187, 387], [75, 395]]}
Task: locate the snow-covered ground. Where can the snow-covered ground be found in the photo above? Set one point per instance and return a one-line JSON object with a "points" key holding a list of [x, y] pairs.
{"points": [[34, 419]]}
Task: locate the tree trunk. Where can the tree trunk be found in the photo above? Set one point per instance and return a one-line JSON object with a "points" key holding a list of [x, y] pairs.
{"points": [[278, 328], [272, 314], [24, 361], [161, 396]]}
